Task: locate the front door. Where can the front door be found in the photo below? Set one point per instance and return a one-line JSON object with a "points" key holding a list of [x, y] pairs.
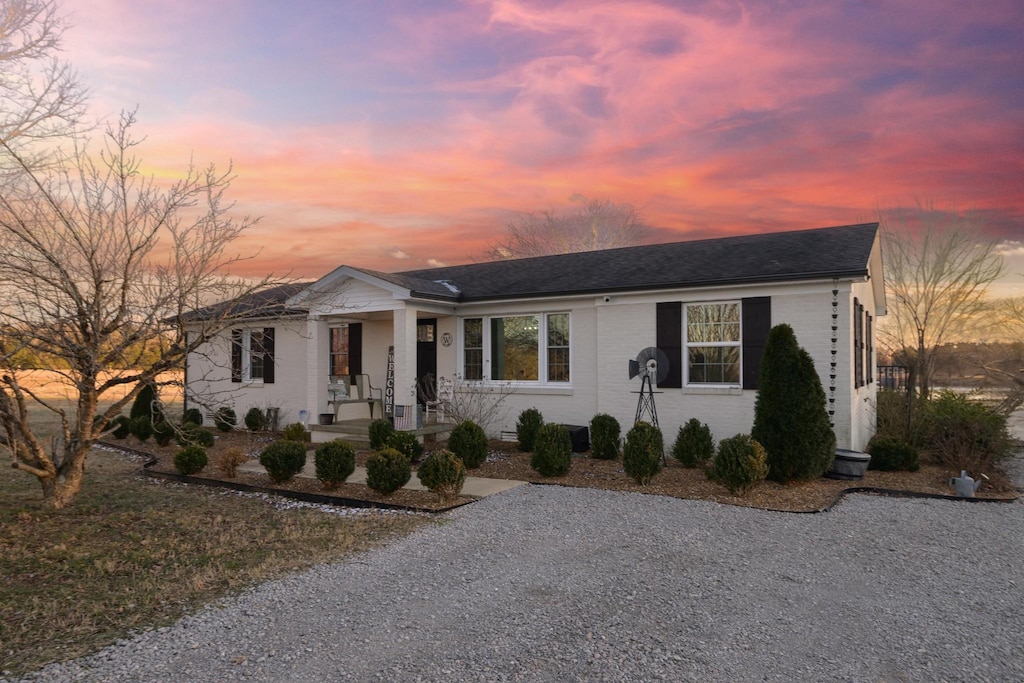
{"points": [[426, 359]]}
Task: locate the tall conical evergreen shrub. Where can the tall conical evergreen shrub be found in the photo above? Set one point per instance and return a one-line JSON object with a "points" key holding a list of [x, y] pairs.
{"points": [[143, 405], [790, 415]]}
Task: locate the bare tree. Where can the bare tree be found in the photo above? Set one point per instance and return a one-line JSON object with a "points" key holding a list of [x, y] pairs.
{"points": [[40, 95], [100, 270], [594, 224], [937, 273]]}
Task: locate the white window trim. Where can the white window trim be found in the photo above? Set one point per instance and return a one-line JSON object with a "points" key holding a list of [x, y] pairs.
{"points": [[542, 350], [686, 346], [247, 357]]}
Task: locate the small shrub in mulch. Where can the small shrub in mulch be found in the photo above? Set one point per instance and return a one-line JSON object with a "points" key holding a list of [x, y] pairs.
{"points": [[121, 427], [380, 430], [527, 426], [225, 419], [641, 456], [190, 460], [443, 473], [193, 415], [296, 431], [552, 451], [740, 464], [605, 434], [335, 462], [406, 443], [255, 420], [192, 434], [891, 454], [230, 459], [694, 445], [469, 442], [387, 470], [283, 459]]}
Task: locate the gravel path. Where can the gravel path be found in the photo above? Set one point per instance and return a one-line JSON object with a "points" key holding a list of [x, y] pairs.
{"points": [[552, 584]]}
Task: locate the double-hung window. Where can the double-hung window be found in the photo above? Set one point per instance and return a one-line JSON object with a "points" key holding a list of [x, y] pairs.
{"points": [[712, 343], [339, 364], [517, 348], [252, 355]]}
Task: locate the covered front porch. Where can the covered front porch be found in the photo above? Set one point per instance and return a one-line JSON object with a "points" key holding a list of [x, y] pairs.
{"points": [[366, 332], [357, 430]]}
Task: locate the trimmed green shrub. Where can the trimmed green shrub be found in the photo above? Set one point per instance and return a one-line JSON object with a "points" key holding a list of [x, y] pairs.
{"points": [[527, 426], [225, 419], [964, 434], [163, 432], [296, 431], [143, 405], [190, 460], [407, 444], [141, 427], [790, 418], [740, 464], [380, 430], [443, 473], [255, 420], [121, 426], [283, 459], [552, 450], [469, 442], [605, 434], [335, 462], [192, 434], [387, 470], [641, 456], [694, 446], [890, 454], [192, 415]]}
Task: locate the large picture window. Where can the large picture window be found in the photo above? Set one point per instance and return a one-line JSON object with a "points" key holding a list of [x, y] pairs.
{"points": [[517, 348], [712, 339]]}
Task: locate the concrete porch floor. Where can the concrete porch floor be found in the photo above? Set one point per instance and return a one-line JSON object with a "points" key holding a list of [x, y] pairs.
{"points": [[478, 487]]}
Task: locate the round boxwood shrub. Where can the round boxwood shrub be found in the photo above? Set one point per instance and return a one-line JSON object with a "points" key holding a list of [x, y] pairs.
{"points": [[141, 427], [335, 462], [121, 426], [193, 415], [740, 464], [552, 450], [527, 426], [296, 431], [283, 459], [407, 444], [190, 460], [192, 434], [225, 419], [605, 434], [891, 454], [694, 446], [641, 456], [387, 470], [255, 420], [469, 442], [443, 473], [790, 418], [380, 430], [163, 432]]}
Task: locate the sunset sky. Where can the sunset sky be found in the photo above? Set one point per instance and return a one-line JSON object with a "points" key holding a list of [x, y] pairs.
{"points": [[400, 135]]}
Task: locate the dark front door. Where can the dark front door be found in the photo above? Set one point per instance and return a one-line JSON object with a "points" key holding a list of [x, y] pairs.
{"points": [[426, 359]]}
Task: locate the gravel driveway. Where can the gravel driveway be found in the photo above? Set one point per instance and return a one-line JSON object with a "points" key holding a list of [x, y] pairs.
{"points": [[552, 584]]}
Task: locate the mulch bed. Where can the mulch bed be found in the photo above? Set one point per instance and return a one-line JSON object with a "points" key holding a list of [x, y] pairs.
{"points": [[505, 462]]}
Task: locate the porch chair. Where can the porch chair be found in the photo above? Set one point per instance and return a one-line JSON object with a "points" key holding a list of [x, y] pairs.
{"points": [[442, 397]]}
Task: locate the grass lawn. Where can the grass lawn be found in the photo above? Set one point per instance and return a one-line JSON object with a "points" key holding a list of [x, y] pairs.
{"points": [[133, 553]]}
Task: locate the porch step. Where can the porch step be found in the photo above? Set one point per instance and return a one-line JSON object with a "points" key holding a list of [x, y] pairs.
{"points": [[357, 432]]}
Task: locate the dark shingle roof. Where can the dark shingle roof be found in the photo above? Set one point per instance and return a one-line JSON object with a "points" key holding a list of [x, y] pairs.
{"points": [[841, 251], [265, 303], [425, 288]]}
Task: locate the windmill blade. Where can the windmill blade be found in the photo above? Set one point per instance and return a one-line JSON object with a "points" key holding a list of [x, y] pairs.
{"points": [[653, 354], [634, 369]]}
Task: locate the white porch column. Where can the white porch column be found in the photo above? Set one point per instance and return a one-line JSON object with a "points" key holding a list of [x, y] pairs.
{"points": [[317, 339], [405, 357]]}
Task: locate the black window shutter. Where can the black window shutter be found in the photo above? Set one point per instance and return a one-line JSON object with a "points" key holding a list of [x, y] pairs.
{"points": [[268, 355], [236, 355], [870, 356], [355, 348], [669, 333], [757, 322]]}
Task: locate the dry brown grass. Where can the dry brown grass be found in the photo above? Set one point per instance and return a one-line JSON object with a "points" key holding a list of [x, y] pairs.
{"points": [[133, 553]]}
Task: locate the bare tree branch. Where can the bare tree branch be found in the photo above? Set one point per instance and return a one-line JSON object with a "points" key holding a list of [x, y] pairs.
{"points": [[100, 268], [594, 224]]}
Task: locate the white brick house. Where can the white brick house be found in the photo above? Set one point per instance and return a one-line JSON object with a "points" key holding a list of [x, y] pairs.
{"points": [[561, 329]]}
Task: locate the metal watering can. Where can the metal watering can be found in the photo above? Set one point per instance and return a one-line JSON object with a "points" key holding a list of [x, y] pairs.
{"points": [[965, 486]]}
